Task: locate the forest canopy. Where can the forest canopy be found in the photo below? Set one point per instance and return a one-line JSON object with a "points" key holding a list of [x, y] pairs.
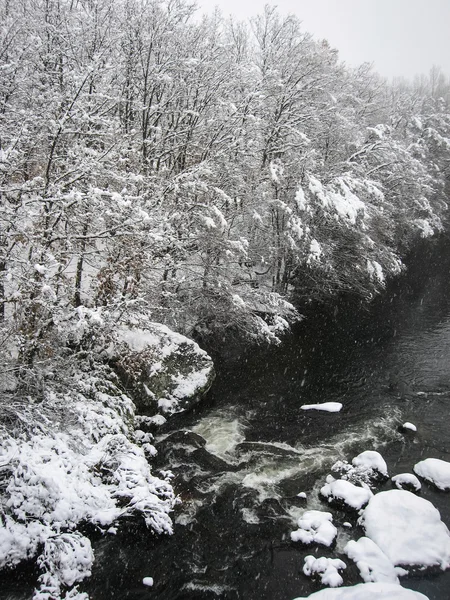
{"points": [[205, 173]]}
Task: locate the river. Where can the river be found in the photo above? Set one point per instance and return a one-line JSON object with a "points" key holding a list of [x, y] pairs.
{"points": [[240, 459]]}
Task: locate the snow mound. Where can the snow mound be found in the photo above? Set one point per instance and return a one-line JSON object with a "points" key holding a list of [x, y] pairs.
{"points": [[327, 568], [406, 480], [315, 527], [408, 529], [409, 426], [367, 591], [371, 561], [435, 470], [325, 406], [372, 461], [345, 492]]}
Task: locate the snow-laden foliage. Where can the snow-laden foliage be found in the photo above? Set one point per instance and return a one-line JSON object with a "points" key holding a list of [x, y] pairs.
{"points": [[71, 459], [155, 163]]}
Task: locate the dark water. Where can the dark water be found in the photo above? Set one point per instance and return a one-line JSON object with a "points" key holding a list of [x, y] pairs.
{"points": [[239, 491], [243, 456]]}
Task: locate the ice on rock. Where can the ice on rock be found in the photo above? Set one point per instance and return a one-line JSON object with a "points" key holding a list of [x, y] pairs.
{"points": [[408, 529], [372, 461], [327, 568], [408, 480], [315, 527], [367, 591], [373, 564], [342, 491], [436, 471]]}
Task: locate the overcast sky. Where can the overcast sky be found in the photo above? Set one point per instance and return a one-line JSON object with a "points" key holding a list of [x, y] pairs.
{"points": [[400, 37]]}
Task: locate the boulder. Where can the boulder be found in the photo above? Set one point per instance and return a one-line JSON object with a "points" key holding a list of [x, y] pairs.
{"points": [[163, 371]]}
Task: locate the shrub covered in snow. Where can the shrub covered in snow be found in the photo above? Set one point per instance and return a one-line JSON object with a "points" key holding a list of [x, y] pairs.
{"points": [[72, 459]]}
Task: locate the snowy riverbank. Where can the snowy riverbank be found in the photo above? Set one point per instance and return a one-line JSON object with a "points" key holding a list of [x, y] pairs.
{"points": [[77, 454]]}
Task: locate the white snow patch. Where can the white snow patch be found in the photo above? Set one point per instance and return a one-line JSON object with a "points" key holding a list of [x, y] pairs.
{"points": [[367, 591], [67, 558], [316, 188], [346, 203], [409, 425], [315, 527], [300, 199], [435, 470], [348, 493], [406, 479], [315, 251], [327, 568], [325, 406], [425, 228], [371, 561], [189, 385], [371, 460], [375, 270], [408, 529]]}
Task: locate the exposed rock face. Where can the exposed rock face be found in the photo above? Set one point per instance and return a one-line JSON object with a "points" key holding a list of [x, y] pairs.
{"points": [[163, 371]]}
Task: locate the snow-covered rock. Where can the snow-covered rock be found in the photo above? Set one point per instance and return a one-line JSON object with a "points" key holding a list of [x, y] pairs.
{"points": [[315, 527], [165, 371], [367, 591], [327, 569], [408, 529], [406, 480], [371, 461], [434, 470], [344, 492], [324, 406], [371, 561], [409, 426]]}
